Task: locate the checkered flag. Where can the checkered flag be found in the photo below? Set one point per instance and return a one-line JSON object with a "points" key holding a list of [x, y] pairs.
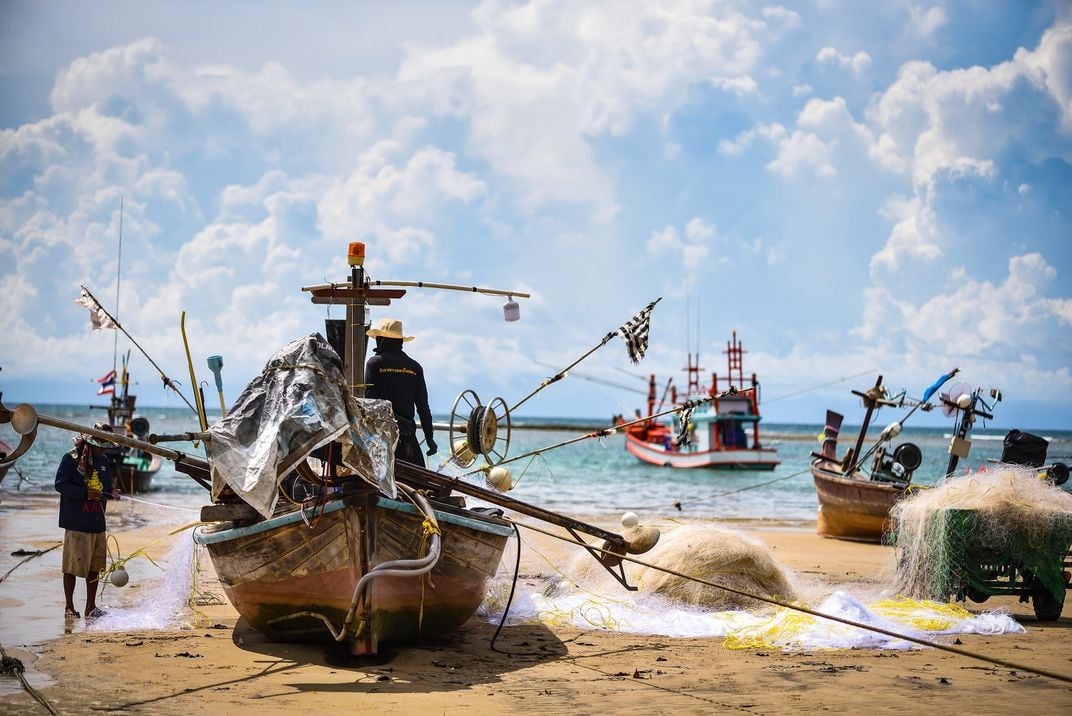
{"points": [[683, 438], [635, 333]]}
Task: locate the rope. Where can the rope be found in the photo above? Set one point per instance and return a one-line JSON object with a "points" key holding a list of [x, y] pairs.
{"points": [[510, 598], [120, 562], [35, 554], [815, 613], [678, 503], [156, 504], [11, 665]]}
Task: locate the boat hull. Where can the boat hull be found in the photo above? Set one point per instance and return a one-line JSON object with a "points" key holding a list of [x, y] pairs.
{"points": [[281, 567], [133, 479], [850, 508], [724, 459]]}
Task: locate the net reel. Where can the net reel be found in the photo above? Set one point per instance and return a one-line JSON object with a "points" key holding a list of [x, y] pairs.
{"points": [[475, 429]]}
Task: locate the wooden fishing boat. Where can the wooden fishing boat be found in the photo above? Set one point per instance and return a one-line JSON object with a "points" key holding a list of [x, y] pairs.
{"points": [[857, 492], [295, 581], [376, 550], [134, 469], [722, 433], [853, 507]]}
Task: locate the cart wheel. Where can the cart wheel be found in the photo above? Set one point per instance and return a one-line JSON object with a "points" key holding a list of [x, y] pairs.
{"points": [[1047, 609]]}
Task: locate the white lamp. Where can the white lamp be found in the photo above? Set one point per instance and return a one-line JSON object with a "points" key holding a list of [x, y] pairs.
{"points": [[511, 311]]}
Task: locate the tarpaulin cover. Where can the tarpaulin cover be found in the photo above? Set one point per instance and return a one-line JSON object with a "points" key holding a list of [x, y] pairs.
{"points": [[298, 403]]}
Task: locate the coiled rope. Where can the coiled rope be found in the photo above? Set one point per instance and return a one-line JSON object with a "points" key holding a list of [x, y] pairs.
{"points": [[11, 665]]}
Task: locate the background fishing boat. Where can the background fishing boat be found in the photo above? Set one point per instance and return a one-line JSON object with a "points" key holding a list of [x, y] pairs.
{"points": [[133, 468], [857, 492], [720, 433]]}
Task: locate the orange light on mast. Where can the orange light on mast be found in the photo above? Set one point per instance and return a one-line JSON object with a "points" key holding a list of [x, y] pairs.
{"points": [[355, 254]]}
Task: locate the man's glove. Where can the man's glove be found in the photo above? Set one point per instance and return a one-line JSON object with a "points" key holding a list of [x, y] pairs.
{"points": [[432, 447]]}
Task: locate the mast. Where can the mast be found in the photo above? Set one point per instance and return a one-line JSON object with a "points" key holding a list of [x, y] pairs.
{"points": [[118, 282], [355, 320]]}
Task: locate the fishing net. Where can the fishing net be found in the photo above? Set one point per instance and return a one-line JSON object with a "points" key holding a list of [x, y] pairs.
{"points": [[715, 555], [972, 535], [695, 551]]}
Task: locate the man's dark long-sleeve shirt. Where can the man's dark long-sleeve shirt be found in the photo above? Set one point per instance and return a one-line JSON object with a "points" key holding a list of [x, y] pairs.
{"points": [[77, 511], [395, 376]]}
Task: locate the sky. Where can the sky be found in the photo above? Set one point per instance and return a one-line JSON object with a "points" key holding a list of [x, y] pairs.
{"points": [[856, 189]]}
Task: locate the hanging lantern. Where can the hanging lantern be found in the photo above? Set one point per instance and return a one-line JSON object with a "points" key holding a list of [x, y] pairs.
{"points": [[511, 311]]}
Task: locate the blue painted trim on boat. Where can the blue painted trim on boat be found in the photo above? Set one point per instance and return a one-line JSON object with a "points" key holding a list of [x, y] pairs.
{"points": [[201, 537]]}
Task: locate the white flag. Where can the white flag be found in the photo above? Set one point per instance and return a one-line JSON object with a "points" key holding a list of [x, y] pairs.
{"points": [[98, 317]]}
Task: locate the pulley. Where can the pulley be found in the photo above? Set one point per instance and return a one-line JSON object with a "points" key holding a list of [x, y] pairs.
{"points": [[477, 429]]}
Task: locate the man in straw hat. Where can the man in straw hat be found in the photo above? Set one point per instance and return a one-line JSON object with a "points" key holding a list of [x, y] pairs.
{"points": [[393, 375], [84, 481]]}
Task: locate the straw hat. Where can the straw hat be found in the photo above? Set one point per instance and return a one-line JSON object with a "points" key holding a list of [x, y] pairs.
{"points": [[99, 442], [389, 328]]}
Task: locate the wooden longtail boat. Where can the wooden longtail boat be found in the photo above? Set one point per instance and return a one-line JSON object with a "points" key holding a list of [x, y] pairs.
{"points": [[382, 551], [134, 469], [723, 432], [853, 507], [856, 493], [294, 581]]}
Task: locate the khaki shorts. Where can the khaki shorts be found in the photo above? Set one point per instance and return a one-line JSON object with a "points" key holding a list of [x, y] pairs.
{"points": [[84, 552]]}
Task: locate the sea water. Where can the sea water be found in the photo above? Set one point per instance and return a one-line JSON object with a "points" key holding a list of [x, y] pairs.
{"points": [[590, 477]]}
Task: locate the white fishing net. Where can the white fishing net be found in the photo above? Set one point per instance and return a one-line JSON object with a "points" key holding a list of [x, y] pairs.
{"points": [[959, 537]]}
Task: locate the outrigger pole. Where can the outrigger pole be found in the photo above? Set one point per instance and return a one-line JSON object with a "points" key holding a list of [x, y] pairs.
{"points": [[24, 420], [453, 287], [168, 383], [562, 373]]}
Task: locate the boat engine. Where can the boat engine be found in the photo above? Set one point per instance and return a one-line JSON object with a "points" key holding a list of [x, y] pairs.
{"points": [[140, 427], [898, 466]]}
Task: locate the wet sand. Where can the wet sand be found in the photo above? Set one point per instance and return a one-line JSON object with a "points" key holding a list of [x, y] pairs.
{"points": [[217, 663]]}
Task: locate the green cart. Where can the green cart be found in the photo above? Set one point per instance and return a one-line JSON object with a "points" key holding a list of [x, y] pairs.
{"points": [[972, 560]]}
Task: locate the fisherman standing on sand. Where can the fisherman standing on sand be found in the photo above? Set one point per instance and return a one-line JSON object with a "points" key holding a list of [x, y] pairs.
{"points": [[392, 375], [84, 482]]}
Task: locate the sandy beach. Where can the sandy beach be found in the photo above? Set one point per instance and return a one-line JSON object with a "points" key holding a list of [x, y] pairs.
{"points": [[215, 662]]}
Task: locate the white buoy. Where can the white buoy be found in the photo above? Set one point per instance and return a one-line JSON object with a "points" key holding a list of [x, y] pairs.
{"points": [[119, 577], [630, 519], [501, 479], [461, 452]]}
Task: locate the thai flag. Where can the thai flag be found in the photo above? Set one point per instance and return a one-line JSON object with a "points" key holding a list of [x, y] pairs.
{"points": [[107, 383]]}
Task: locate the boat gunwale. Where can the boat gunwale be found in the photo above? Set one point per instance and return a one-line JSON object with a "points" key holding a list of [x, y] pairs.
{"points": [[820, 472], [475, 521]]}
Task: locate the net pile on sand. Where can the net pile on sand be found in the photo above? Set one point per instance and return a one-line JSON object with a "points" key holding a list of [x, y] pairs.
{"points": [[715, 555], [1003, 513]]}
